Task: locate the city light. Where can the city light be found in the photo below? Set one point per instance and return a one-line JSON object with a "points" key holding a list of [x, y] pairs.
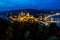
{"points": [[22, 17]]}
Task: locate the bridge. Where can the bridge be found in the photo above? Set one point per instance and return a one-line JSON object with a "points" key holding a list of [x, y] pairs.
{"points": [[46, 17], [46, 22]]}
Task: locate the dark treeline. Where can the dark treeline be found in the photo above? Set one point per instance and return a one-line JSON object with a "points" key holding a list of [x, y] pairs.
{"points": [[27, 31]]}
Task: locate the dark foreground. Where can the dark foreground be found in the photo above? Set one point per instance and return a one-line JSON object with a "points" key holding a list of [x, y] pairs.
{"points": [[28, 31]]}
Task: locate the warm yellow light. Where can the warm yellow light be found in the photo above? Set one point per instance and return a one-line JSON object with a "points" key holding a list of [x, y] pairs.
{"points": [[32, 17], [27, 14], [46, 24]]}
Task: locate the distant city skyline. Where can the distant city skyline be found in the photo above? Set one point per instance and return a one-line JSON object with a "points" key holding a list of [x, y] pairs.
{"points": [[29, 4]]}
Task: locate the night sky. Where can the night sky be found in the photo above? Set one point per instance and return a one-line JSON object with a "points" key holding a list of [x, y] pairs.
{"points": [[33, 4]]}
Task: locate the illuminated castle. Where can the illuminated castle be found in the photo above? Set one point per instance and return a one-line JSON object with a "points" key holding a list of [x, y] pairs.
{"points": [[22, 17]]}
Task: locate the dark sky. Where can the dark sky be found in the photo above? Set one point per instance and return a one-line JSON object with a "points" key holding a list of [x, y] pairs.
{"points": [[33, 4]]}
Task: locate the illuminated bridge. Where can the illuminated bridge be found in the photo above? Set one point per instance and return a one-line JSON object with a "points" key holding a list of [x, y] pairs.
{"points": [[49, 18]]}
